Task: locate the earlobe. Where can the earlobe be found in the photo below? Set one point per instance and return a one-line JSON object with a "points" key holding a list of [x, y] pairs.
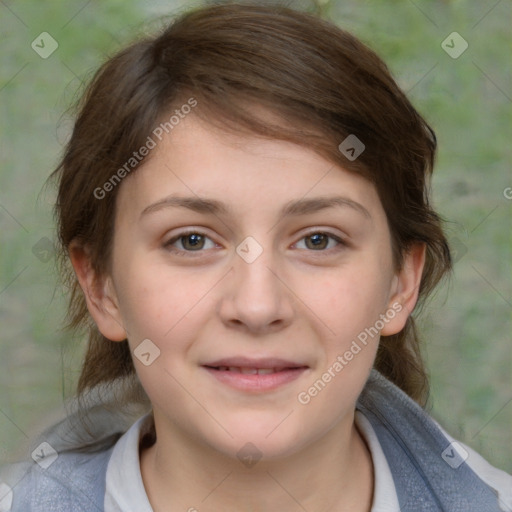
{"points": [[99, 295], [405, 291]]}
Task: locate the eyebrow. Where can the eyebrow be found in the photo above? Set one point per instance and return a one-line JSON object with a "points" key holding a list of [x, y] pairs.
{"points": [[293, 208]]}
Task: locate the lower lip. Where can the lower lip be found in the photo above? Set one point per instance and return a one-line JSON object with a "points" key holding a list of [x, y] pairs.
{"points": [[256, 382]]}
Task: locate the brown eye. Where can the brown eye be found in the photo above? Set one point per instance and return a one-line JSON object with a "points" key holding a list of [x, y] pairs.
{"points": [[320, 241], [190, 242], [317, 241]]}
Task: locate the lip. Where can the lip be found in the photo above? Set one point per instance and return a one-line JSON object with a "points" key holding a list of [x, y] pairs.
{"points": [[282, 372]]}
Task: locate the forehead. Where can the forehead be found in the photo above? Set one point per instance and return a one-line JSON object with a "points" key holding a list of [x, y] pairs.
{"points": [[249, 173]]}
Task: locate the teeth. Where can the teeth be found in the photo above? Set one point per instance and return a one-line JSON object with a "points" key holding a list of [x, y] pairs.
{"points": [[247, 371], [266, 371]]}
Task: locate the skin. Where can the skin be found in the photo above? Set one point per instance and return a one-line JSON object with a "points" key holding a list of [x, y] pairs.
{"points": [[295, 301]]}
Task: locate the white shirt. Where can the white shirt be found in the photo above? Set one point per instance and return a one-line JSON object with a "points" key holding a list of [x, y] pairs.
{"points": [[125, 490]]}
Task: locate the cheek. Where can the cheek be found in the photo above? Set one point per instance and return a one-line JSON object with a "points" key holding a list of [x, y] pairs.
{"points": [[169, 308], [350, 307], [351, 300], [154, 299], [158, 306]]}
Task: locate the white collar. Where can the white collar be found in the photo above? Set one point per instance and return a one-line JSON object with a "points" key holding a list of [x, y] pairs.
{"points": [[125, 490]]}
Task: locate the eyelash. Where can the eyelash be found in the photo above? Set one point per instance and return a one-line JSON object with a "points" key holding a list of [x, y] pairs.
{"points": [[169, 245]]}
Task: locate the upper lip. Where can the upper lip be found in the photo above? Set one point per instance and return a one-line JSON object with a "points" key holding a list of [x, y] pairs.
{"points": [[247, 362]]}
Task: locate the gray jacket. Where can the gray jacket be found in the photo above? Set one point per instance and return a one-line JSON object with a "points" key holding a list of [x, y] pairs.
{"points": [[430, 475]]}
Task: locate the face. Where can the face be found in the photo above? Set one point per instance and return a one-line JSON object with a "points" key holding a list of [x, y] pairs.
{"points": [[262, 275]]}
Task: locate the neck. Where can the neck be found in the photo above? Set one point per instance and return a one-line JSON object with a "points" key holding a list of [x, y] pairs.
{"points": [[334, 474]]}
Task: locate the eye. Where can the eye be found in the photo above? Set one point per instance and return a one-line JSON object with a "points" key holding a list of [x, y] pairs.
{"points": [[191, 241], [320, 241]]}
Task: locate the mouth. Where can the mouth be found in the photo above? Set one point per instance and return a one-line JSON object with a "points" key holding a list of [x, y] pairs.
{"points": [[249, 370], [256, 375]]}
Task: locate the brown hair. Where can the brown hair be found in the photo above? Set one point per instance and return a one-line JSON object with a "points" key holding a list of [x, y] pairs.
{"points": [[320, 82]]}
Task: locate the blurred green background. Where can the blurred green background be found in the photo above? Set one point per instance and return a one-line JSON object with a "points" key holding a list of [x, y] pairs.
{"points": [[467, 326]]}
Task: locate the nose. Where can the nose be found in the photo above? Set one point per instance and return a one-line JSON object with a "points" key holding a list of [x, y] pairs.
{"points": [[256, 298]]}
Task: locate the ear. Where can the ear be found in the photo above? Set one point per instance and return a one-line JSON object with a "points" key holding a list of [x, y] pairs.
{"points": [[99, 294], [405, 289]]}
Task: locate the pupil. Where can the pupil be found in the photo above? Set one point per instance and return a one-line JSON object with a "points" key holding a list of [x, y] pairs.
{"points": [[193, 240], [318, 240]]}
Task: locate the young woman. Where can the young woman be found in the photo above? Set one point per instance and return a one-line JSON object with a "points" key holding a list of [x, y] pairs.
{"points": [[244, 204]]}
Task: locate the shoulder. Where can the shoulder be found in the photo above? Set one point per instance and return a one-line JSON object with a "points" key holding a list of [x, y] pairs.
{"points": [[499, 481], [65, 470], [67, 482], [429, 466]]}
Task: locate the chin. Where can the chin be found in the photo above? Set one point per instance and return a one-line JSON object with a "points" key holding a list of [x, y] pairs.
{"points": [[258, 438]]}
